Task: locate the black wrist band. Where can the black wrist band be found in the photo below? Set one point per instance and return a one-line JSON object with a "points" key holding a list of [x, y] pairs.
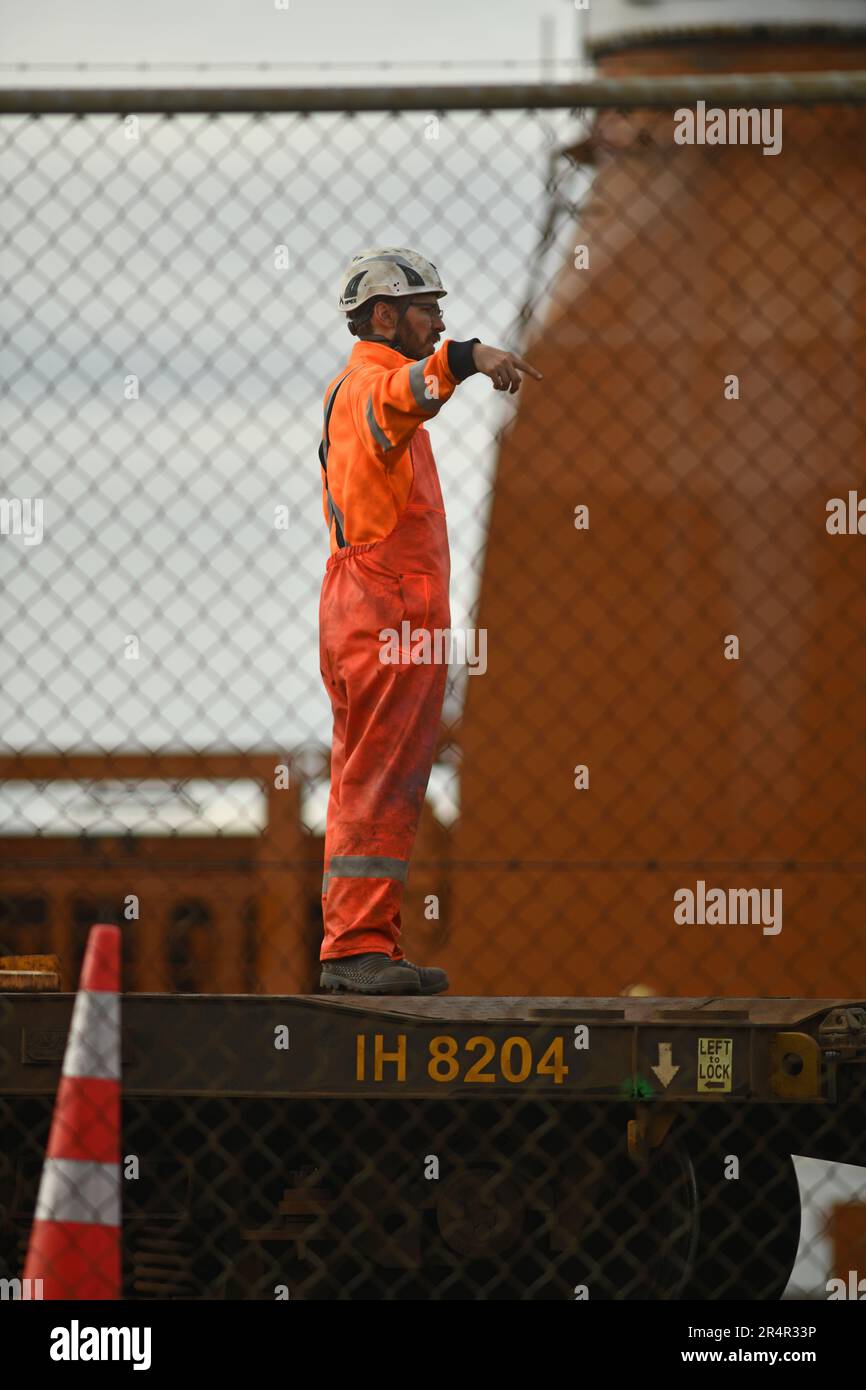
{"points": [[460, 362]]}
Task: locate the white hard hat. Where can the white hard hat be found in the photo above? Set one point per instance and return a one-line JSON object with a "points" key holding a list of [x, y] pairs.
{"points": [[390, 270]]}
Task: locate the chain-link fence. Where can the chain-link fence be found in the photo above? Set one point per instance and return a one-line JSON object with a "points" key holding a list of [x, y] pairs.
{"points": [[650, 780]]}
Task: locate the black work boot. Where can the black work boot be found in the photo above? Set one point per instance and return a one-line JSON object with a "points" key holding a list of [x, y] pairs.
{"points": [[368, 974], [433, 980], [378, 974]]}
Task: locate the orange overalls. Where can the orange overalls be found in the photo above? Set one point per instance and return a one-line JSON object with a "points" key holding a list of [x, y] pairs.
{"points": [[375, 454]]}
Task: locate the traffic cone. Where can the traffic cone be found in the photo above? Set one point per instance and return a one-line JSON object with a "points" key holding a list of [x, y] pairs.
{"points": [[75, 1241]]}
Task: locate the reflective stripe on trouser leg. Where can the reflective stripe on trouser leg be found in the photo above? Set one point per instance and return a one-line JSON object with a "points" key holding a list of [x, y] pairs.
{"points": [[368, 866]]}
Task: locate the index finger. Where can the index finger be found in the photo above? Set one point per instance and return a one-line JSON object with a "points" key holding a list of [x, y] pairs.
{"points": [[525, 367]]}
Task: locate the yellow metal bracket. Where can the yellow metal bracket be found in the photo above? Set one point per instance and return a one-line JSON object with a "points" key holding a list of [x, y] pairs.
{"points": [[795, 1066]]}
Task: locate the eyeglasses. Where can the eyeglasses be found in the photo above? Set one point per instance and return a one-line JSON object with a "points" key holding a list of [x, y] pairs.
{"points": [[432, 310]]}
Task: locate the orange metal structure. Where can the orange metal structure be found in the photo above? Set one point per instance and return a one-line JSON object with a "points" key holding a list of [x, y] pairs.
{"points": [[216, 913], [707, 519]]}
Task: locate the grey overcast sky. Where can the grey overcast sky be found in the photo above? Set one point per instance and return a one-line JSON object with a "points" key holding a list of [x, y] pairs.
{"points": [[306, 32]]}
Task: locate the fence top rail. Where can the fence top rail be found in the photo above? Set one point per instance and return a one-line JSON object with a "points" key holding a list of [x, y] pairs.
{"points": [[714, 89]]}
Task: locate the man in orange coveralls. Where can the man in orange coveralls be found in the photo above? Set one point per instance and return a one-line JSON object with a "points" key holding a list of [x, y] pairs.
{"points": [[388, 571]]}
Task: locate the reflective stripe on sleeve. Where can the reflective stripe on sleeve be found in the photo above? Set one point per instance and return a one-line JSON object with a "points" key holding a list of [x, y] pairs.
{"points": [[418, 383]]}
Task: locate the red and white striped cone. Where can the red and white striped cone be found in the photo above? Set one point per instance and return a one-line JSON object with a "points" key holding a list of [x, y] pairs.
{"points": [[75, 1241]]}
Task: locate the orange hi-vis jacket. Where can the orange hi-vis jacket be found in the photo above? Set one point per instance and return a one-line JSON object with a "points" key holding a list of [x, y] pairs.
{"points": [[383, 398]]}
